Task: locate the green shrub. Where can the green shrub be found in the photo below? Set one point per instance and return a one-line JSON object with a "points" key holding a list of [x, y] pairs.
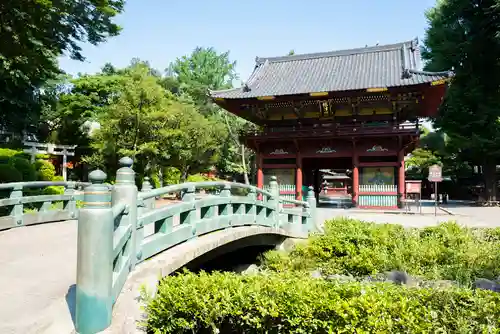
{"points": [[45, 170], [18, 161], [9, 173], [357, 248], [171, 175], [288, 303], [25, 167], [199, 178], [154, 180]]}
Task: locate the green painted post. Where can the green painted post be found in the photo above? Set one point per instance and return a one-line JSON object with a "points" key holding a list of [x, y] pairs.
{"points": [[71, 204], [94, 273], [252, 195], [275, 200], [188, 216], [227, 209], [17, 209], [125, 191], [146, 187], [311, 200]]}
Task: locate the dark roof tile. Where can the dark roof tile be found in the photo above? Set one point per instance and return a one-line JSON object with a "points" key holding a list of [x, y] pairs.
{"points": [[370, 67]]}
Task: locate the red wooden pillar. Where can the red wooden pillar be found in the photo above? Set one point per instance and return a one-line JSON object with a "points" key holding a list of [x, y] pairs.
{"points": [[355, 178], [298, 179], [401, 174], [260, 175]]}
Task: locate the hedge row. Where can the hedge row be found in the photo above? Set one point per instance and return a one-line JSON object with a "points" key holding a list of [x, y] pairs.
{"points": [[292, 303], [15, 166], [351, 247]]}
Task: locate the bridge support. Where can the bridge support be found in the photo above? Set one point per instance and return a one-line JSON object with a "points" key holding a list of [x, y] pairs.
{"points": [[94, 277]]}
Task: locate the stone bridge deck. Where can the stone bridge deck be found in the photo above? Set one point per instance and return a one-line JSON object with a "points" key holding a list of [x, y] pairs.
{"points": [[38, 266]]}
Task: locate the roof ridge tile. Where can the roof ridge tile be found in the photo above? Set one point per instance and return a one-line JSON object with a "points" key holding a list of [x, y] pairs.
{"points": [[337, 53]]}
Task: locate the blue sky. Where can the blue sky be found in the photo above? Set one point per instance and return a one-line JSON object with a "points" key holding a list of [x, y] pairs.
{"points": [[161, 30]]}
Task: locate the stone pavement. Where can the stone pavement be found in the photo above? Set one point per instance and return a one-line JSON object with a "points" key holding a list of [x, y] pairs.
{"points": [[38, 265], [37, 270], [467, 216]]}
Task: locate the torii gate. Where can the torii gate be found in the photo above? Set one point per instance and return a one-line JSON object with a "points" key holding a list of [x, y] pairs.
{"points": [[52, 149]]}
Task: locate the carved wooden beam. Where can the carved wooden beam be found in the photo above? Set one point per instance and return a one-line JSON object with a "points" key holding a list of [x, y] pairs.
{"points": [[298, 109], [260, 111], [354, 106]]}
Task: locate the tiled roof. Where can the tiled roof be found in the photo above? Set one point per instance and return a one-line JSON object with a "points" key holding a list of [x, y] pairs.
{"points": [[370, 67]]}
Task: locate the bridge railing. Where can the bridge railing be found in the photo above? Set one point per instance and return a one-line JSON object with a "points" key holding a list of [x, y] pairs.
{"points": [[119, 228], [20, 208]]}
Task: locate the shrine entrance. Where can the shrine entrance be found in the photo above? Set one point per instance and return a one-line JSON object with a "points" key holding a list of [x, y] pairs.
{"points": [[311, 169], [314, 121]]}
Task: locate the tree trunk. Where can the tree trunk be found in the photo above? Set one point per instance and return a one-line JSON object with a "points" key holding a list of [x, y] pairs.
{"points": [[244, 164], [184, 174], [490, 180]]}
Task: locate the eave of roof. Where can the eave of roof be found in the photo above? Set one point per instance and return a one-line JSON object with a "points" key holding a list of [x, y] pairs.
{"points": [[385, 66]]}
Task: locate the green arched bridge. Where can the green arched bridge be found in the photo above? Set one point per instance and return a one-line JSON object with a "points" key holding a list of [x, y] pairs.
{"points": [[104, 241]]}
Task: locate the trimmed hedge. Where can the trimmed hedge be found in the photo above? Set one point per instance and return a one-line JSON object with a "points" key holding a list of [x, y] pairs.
{"points": [[45, 170], [352, 247], [292, 303]]}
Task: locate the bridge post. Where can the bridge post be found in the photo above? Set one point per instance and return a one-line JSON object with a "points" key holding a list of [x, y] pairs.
{"points": [[275, 199], [252, 194], [187, 217], [94, 274], [145, 187], [17, 209], [125, 191], [70, 206], [226, 209], [311, 200]]}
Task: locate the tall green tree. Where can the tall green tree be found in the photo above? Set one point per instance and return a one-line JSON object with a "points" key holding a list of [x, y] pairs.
{"points": [[195, 75], [33, 34], [75, 104], [464, 36], [194, 140], [149, 124], [203, 70], [132, 123]]}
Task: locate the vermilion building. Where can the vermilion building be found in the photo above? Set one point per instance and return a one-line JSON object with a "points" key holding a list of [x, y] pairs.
{"points": [[352, 110]]}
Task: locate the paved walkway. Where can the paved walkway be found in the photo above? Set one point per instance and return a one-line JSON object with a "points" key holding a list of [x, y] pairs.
{"points": [[37, 269], [38, 266], [467, 216]]}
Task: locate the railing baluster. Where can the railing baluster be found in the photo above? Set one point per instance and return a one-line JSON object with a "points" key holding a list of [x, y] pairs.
{"points": [[252, 210], [188, 216], [274, 201], [17, 209], [146, 186], [45, 206], [311, 200], [125, 191], [70, 205], [94, 276], [226, 209]]}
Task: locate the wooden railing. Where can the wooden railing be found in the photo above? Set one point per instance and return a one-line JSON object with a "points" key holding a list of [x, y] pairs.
{"points": [[378, 196], [23, 205], [337, 129], [122, 227]]}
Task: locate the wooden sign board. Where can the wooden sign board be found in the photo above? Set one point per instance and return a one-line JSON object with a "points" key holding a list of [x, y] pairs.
{"points": [[413, 187], [435, 173]]}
